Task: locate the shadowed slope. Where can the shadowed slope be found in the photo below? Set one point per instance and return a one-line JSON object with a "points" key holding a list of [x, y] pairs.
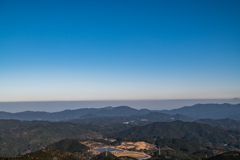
{"points": [[185, 130]]}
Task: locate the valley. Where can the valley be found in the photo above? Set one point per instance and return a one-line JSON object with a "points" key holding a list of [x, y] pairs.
{"points": [[152, 135]]}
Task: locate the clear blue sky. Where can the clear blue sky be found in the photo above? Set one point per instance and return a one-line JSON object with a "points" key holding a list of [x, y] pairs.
{"points": [[119, 49]]}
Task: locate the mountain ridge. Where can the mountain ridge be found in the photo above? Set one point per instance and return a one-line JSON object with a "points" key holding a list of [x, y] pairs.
{"points": [[198, 111], [73, 114], [206, 111], [192, 131]]}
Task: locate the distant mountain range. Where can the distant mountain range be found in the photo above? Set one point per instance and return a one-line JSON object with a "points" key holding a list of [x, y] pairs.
{"points": [[212, 111], [124, 111], [188, 113]]}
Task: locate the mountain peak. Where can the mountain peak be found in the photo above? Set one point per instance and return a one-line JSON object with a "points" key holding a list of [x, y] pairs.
{"points": [[108, 108], [125, 106]]}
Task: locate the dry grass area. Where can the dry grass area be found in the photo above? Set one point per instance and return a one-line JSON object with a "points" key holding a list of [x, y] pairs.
{"points": [[136, 145], [124, 146], [130, 154]]}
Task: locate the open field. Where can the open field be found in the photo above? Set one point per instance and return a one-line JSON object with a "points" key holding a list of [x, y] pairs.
{"points": [[125, 146], [136, 145]]}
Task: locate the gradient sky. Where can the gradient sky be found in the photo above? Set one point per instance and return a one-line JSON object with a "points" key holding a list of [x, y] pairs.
{"points": [[119, 49]]}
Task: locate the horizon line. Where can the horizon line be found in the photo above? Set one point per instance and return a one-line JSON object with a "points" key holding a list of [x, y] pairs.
{"points": [[236, 98]]}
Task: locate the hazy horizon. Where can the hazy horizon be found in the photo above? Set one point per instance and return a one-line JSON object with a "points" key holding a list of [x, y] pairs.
{"points": [[55, 106]]}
